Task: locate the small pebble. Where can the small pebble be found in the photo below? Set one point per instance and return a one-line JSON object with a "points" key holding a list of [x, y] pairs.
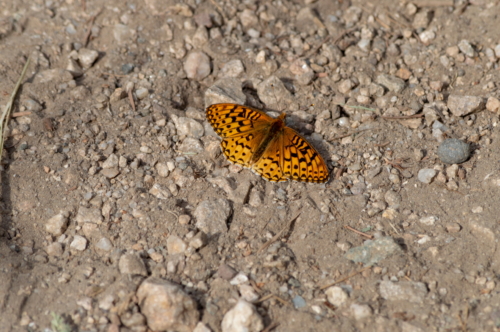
{"points": [[197, 65], [299, 302], [428, 221], [336, 295], [242, 317], [453, 151], [141, 93], [426, 175], [79, 243]]}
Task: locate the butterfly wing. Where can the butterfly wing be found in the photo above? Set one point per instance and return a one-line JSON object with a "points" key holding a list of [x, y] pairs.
{"points": [[232, 120], [270, 165], [239, 149], [301, 161]]}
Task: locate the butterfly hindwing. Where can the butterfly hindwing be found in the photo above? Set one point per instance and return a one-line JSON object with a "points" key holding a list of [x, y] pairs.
{"points": [[239, 149], [270, 165]]}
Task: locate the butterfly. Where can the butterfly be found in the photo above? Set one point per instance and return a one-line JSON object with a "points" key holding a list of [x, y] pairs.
{"points": [[264, 144]]}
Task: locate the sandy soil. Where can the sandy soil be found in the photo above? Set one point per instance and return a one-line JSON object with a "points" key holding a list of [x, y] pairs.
{"points": [[93, 173]]}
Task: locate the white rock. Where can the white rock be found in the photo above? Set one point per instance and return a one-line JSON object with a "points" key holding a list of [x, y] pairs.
{"points": [[428, 221], [409, 291], [248, 293], [104, 244], [57, 224], [360, 311], [175, 245], [111, 162], [242, 318], [200, 327], [160, 191], [197, 65], [162, 170], [336, 295], [79, 243], [141, 93], [426, 175], [87, 57], [239, 279]]}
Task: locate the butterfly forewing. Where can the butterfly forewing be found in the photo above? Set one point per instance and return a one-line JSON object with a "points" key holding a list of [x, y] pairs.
{"points": [[301, 161], [229, 120]]}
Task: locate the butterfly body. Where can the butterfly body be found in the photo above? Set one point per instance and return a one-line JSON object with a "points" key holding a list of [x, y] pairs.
{"points": [[264, 144]]}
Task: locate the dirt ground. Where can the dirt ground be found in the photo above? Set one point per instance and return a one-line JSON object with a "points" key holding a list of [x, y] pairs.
{"points": [[113, 164]]}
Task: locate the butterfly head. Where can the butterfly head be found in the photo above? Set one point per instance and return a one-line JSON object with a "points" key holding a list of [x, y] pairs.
{"points": [[282, 116]]}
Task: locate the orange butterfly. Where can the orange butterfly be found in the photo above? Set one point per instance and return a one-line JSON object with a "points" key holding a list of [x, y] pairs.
{"points": [[268, 147]]}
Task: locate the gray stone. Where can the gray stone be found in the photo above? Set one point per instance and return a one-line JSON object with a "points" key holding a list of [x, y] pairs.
{"points": [[225, 90], [104, 244], [188, 127], [373, 251], [160, 191], [91, 215], [198, 241], [464, 105], [111, 162], [426, 175], [391, 83], [55, 249], [361, 311], [453, 151], [466, 48], [411, 291], [166, 306], [191, 146], [132, 264], [53, 75], [299, 302], [212, 215], [226, 272], [232, 68], [273, 91], [110, 173]]}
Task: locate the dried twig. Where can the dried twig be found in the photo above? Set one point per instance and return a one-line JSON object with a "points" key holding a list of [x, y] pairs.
{"points": [[435, 3], [18, 114], [277, 236], [270, 327], [4, 119], [359, 232], [89, 28], [344, 279], [402, 117]]}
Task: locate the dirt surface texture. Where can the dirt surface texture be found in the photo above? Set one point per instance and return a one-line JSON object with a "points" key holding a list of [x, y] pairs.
{"points": [[120, 213]]}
